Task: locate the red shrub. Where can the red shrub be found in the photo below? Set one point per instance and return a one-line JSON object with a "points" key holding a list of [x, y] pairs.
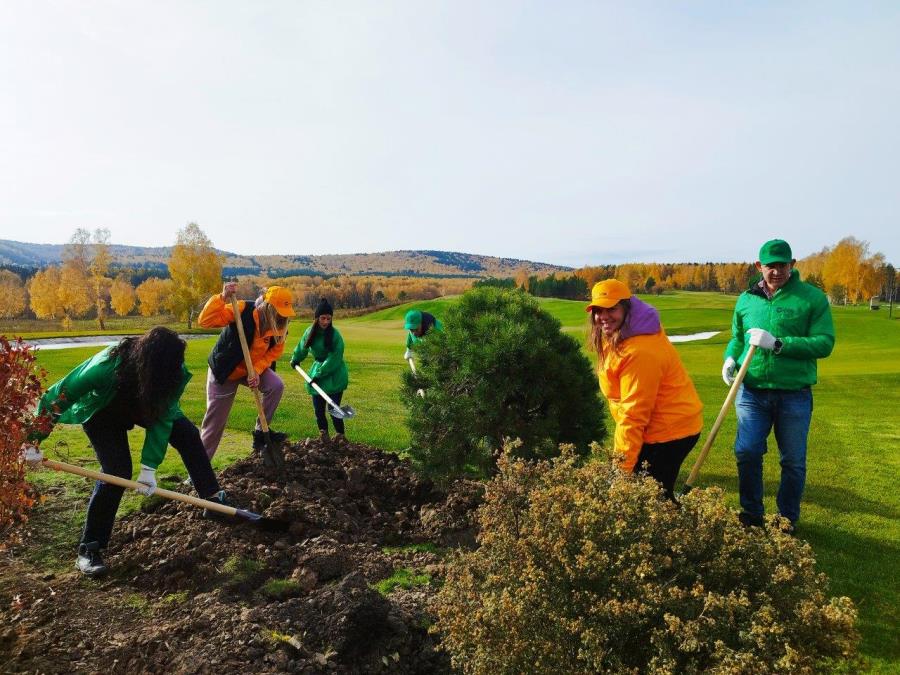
{"points": [[20, 388]]}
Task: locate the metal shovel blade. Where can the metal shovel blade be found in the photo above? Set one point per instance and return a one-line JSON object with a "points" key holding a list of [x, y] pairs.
{"points": [[344, 412]]}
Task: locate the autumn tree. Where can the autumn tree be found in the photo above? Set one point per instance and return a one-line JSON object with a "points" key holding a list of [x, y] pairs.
{"points": [[196, 271], [83, 283], [99, 267], [12, 295], [849, 271], [153, 295], [121, 296], [43, 292]]}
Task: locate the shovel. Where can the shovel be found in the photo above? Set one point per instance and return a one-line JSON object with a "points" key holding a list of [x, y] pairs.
{"points": [[412, 367], [270, 452], [336, 411], [269, 524], [689, 483]]}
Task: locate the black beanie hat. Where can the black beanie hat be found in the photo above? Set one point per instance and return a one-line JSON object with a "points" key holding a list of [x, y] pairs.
{"points": [[324, 308]]}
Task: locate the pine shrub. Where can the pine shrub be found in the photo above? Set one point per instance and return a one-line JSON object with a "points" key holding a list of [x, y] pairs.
{"points": [[501, 368], [583, 569]]}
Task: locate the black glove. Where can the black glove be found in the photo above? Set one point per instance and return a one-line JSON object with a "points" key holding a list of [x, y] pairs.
{"points": [[314, 380], [294, 363]]}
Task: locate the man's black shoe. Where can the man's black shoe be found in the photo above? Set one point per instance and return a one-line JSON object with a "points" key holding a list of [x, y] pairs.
{"points": [[749, 520], [89, 561], [219, 498]]}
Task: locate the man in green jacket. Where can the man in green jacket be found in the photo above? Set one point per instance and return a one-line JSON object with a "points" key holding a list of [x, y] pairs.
{"points": [[790, 323]]}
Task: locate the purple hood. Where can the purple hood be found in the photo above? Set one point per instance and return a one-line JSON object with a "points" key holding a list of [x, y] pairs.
{"points": [[643, 320]]}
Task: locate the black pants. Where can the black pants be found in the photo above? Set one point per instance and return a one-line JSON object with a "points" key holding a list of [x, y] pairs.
{"points": [[665, 460], [319, 406], [108, 433]]}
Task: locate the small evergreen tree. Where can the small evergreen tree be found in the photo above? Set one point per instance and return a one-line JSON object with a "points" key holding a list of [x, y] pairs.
{"points": [[501, 368]]}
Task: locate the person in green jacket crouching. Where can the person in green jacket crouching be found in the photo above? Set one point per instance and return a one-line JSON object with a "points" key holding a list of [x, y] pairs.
{"points": [[418, 323], [136, 382], [329, 371], [790, 323]]}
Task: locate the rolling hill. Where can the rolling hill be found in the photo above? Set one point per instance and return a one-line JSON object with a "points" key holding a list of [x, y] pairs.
{"points": [[412, 263]]}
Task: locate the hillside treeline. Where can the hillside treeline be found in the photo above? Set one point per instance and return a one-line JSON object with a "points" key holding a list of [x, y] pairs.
{"points": [[847, 272], [87, 285]]}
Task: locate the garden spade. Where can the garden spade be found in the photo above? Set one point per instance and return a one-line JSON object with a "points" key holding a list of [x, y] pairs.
{"points": [[270, 452], [269, 524], [689, 483], [336, 411]]}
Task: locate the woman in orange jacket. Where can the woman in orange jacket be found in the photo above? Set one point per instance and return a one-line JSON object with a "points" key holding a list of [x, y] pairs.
{"points": [[265, 326], [651, 397]]}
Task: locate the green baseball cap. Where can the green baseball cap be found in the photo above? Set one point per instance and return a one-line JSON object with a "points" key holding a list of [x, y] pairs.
{"points": [[775, 251], [413, 319]]}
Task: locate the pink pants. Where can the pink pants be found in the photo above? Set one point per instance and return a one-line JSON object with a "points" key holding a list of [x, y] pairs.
{"points": [[220, 397]]}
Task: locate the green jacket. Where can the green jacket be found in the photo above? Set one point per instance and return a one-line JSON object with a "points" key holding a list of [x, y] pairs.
{"points": [[329, 369], [91, 386], [799, 315]]}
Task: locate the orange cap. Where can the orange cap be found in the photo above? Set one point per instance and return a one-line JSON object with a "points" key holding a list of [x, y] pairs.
{"points": [[607, 294], [281, 299]]}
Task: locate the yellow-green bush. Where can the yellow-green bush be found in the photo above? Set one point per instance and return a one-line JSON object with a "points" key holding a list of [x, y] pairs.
{"points": [[583, 569]]}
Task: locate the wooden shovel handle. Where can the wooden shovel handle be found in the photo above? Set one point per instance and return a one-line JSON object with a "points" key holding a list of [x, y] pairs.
{"points": [[249, 363], [732, 393], [134, 485]]}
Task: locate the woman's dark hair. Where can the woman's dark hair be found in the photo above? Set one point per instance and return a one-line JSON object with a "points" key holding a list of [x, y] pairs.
{"points": [[150, 370], [329, 335], [599, 342]]}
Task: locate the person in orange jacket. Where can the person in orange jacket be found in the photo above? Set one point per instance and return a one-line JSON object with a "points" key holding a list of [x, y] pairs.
{"points": [[265, 326], [651, 397]]}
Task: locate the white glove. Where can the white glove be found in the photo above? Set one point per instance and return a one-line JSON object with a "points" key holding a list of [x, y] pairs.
{"points": [[728, 369], [148, 478], [761, 338], [407, 355], [420, 393], [32, 456]]}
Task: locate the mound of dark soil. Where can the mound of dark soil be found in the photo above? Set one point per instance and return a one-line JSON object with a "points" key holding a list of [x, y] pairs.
{"points": [[195, 595]]}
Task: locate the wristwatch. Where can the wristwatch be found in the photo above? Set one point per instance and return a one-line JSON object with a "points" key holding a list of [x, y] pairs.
{"points": [[778, 345]]}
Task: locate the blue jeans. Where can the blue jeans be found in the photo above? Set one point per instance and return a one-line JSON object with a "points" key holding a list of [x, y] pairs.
{"points": [[758, 410]]}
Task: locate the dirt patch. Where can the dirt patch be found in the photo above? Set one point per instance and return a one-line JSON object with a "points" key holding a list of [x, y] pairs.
{"points": [[344, 590]]}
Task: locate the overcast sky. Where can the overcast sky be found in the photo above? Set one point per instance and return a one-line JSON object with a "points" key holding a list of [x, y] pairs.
{"points": [[566, 132]]}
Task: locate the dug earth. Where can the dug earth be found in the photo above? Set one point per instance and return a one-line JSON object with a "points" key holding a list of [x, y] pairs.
{"points": [[345, 589]]}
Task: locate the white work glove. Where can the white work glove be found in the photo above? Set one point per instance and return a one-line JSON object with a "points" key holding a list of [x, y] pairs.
{"points": [[148, 478], [761, 338], [32, 456], [728, 369], [407, 355]]}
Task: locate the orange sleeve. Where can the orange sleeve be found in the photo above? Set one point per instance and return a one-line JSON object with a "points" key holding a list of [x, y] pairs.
{"points": [[638, 386], [216, 313]]}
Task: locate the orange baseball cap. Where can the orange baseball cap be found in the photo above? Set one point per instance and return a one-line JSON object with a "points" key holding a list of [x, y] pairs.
{"points": [[607, 294], [281, 299]]}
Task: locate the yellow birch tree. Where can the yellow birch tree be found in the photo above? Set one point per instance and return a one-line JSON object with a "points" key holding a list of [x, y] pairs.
{"points": [[12, 295], [196, 271], [121, 296]]}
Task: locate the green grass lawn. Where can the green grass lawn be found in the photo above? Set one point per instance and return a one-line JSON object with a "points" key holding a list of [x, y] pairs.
{"points": [[851, 511]]}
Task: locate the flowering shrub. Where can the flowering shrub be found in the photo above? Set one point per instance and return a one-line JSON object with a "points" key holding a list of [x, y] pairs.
{"points": [[20, 387], [583, 569]]}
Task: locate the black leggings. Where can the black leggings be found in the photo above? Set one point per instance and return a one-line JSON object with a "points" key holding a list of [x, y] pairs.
{"points": [[319, 406], [665, 460], [108, 433]]}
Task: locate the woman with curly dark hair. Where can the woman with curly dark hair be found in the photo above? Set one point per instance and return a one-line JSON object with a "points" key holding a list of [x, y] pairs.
{"points": [[139, 381]]}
